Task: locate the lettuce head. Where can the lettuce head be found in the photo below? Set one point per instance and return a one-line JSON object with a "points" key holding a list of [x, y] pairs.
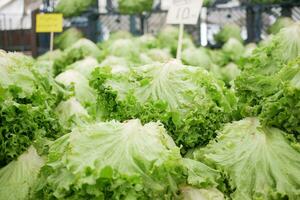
{"points": [[190, 102], [113, 160], [257, 161]]}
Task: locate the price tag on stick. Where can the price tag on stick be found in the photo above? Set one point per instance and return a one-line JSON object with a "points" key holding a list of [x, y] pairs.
{"points": [[49, 23], [183, 12]]}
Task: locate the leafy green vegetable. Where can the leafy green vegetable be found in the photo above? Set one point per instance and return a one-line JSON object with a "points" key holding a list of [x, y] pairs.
{"points": [[233, 49], [82, 91], [280, 23], [71, 8], [196, 57], [191, 193], [113, 160], [26, 105], [227, 32], [230, 72], [159, 55], [282, 109], [257, 80], [117, 64], [67, 38], [84, 66], [190, 102], [208, 3], [135, 6], [78, 51], [258, 161], [71, 113], [50, 55], [146, 41], [249, 49], [168, 39], [19, 176]]}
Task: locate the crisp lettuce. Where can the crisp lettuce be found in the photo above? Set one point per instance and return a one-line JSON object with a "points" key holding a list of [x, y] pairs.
{"points": [[80, 85], [117, 64], [78, 51], [135, 6], [190, 102], [168, 39], [196, 57], [227, 32], [258, 78], [113, 160], [26, 105], [85, 66], [71, 113], [191, 193], [19, 176], [233, 49], [67, 38], [258, 162], [282, 109], [71, 8]]}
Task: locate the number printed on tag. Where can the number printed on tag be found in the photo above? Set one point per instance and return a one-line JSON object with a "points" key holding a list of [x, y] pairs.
{"points": [[184, 12]]}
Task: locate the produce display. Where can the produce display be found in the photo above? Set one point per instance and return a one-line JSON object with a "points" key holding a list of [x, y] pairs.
{"points": [[67, 38], [134, 6], [71, 8], [124, 120]]}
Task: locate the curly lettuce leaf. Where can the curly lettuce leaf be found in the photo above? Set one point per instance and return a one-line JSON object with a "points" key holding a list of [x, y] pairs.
{"points": [[189, 101], [258, 161], [26, 109], [257, 80], [113, 160], [282, 109], [79, 50]]}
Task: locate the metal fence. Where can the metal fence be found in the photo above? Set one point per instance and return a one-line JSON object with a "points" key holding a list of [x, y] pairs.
{"points": [[15, 32]]}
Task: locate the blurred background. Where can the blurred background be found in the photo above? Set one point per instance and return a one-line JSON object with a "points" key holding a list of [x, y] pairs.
{"points": [[96, 19]]}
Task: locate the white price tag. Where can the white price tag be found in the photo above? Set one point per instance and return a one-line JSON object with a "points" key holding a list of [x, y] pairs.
{"points": [[184, 12]]}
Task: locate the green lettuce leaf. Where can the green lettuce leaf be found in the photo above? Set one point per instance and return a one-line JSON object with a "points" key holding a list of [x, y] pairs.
{"points": [[258, 162], [196, 57], [67, 38], [113, 160], [78, 51], [191, 193], [26, 109], [85, 66], [71, 8], [189, 101], [71, 113], [227, 32], [135, 6], [258, 78], [282, 109], [19, 176], [82, 91]]}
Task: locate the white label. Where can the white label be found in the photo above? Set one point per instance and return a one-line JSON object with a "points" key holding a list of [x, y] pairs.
{"points": [[184, 12]]}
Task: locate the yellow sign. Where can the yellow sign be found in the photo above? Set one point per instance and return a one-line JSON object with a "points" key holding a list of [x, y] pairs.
{"points": [[47, 23]]}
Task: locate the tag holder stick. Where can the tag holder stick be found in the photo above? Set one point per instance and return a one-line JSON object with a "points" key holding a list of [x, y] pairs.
{"points": [[180, 38], [51, 40]]}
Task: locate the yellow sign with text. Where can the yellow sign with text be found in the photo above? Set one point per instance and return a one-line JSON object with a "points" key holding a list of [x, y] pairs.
{"points": [[47, 23]]}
